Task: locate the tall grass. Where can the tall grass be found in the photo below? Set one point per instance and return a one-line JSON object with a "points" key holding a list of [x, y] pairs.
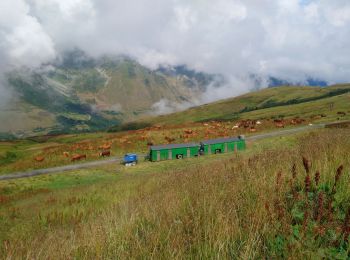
{"points": [[266, 205]]}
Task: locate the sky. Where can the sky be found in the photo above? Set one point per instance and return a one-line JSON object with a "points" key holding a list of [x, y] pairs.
{"points": [[289, 39]]}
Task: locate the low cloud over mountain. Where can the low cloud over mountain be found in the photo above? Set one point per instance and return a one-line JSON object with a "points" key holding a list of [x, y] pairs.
{"points": [[289, 39]]}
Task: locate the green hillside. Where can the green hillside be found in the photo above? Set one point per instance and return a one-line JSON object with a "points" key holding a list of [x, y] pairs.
{"points": [[280, 102]]}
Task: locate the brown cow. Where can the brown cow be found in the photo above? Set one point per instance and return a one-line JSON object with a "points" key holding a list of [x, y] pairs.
{"points": [[280, 125], [188, 131], [105, 153], [66, 154], [278, 120], [169, 139], [39, 158], [78, 157]]}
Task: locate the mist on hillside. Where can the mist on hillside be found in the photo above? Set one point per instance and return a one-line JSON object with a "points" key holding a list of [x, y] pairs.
{"points": [[293, 40]]}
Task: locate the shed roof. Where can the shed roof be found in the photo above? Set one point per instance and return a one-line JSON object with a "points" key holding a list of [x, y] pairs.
{"points": [[172, 146], [222, 140]]}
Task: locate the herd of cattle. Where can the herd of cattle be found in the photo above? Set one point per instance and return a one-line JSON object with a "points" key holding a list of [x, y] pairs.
{"points": [[211, 129], [104, 152]]}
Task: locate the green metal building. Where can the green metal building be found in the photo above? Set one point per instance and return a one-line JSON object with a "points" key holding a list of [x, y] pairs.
{"points": [[223, 145], [179, 151], [173, 151]]}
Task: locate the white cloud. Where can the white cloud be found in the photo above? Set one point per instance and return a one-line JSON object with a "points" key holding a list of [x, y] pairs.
{"points": [[24, 42], [165, 106], [292, 39]]}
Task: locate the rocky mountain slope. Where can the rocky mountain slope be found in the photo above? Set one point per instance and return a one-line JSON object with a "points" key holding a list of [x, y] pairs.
{"points": [[80, 93]]}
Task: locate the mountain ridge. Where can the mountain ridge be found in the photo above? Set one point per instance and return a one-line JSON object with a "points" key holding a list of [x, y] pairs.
{"points": [[80, 93]]}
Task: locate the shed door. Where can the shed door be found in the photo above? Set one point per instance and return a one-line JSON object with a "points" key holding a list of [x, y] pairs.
{"points": [[188, 152], [170, 154], [158, 155]]}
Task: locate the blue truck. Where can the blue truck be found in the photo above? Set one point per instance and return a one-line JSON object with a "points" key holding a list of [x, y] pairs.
{"points": [[130, 159]]}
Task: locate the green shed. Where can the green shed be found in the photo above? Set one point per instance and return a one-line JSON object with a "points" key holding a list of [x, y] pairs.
{"points": [[223, 145], [173, 151]]}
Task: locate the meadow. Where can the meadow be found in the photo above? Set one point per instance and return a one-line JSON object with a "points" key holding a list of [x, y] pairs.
{"points": [[21, 155], [284, 197]]}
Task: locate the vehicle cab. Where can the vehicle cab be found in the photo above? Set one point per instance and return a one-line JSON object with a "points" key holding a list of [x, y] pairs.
{"points": [[130, 159]]}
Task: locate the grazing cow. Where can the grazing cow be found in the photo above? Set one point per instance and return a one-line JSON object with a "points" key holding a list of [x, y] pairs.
{"points": [[105, 153], [66, 154], [39, 158], [280, 125], [78, 157], [297, 121], [252, 129], [188, 131], [278, 120], [169, 139]]}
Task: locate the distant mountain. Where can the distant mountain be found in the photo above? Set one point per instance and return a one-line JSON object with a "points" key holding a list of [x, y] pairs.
{"points": [[271, 82], [276, 82], [80, 93]]}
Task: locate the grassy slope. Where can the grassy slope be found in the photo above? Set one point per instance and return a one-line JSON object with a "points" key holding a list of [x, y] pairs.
{"points": [[233, 107], [226, 206], [308, 109], [20, 116]]}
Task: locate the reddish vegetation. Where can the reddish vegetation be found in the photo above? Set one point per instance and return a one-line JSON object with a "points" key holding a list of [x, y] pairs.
{"points": [[317, 178], [307, 165], [316, 208]]}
